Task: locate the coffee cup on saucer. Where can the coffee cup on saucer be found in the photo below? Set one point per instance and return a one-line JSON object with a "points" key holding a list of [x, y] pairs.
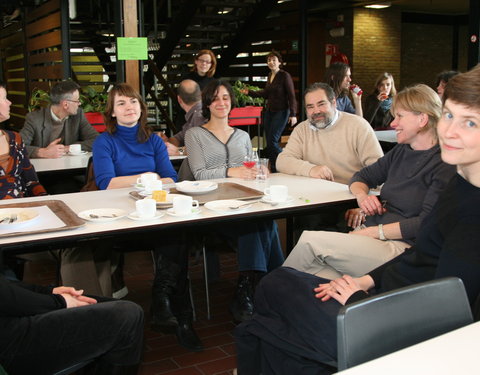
{"points": [[277, 193], [75, 149], [146, 208], [183, 205], [145, 177]]}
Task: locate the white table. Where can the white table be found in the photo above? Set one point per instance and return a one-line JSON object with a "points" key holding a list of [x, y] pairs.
{"points": [[72, 163], [65, 163], [455, 352], [309, 195], [386, 136]]}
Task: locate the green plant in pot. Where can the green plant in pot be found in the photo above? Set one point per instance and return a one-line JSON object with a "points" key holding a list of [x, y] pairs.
{"points": [[93, 100], [244, 100], [38, 99]]}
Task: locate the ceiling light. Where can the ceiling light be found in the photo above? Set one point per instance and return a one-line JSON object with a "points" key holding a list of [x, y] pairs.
{"points": [[379, 5]]}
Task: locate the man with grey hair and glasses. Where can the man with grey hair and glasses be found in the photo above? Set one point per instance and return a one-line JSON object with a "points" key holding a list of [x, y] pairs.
{"points": [[49, 131]]}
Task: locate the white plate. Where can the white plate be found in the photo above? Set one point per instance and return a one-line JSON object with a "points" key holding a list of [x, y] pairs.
{"points": [[196, 187], [267, 199], [195, 211], [224, 205], [77, 154], [104, 214], [24, 215], [134, 216], [139, 187]]}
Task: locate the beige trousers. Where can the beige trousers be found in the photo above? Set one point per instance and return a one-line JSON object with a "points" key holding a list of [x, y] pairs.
{"points": [[332, 254]]}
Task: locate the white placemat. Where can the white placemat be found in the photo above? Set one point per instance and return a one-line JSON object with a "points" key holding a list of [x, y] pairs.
{"points": [[46, 220]]}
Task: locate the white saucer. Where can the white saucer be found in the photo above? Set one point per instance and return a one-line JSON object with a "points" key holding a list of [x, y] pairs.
{"points": [[196, 187], [104, 214], [139, 187], [195, 211], [133, 216], [77, 154], [267, 199]]}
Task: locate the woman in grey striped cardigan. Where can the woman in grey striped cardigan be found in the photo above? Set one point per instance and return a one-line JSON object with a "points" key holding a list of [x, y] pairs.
{"points": [[217, 150]]}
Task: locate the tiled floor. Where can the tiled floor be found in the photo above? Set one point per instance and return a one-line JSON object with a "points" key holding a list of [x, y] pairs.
{"points": [[162, 354]]}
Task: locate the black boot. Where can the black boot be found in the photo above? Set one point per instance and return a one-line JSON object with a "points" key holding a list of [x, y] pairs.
{"points": [[186, 335], [166, 274], [242, 304], [182, 307]]}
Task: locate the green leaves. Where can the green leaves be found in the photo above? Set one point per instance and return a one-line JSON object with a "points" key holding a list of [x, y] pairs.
{"points": [[243, 99], [93, 100]]}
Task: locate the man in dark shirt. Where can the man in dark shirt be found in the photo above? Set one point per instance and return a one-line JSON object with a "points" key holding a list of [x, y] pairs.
{"points": [[190, 99]]}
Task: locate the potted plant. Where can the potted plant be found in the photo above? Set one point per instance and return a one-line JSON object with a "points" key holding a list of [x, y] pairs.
{"points": [[249, 109], [38, 99], [93, 104]]}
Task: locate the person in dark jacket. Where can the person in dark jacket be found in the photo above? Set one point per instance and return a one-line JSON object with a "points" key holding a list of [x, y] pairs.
{"points": [[378, 103]]}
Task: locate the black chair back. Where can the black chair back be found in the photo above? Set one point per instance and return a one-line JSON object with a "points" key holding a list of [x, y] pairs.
{"points": [[403, 317]]}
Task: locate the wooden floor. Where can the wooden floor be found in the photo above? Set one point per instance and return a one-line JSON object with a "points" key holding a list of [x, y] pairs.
{"points": [[162, 354]]}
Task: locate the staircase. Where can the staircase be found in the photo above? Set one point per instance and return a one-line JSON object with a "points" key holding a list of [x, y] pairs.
{"points": [[225, 27]]}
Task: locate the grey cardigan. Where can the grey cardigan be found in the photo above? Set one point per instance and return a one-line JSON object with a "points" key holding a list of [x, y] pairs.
{"points": [[38, 126], [209, 158]]}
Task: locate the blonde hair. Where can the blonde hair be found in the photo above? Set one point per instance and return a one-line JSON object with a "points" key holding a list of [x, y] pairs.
{"points": [[420, 99]]}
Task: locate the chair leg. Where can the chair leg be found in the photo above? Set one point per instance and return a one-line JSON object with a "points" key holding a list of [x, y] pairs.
{"points": [[205, 274]]}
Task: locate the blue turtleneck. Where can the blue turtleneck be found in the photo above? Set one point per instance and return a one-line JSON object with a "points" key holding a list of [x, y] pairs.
{"points": [[120, 154]]}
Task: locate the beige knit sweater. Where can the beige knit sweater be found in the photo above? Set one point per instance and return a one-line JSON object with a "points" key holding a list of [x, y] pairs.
{"points": [[345, 147]]}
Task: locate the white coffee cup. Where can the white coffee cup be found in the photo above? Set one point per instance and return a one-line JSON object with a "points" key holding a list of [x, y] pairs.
{"points": [[182, 205], [152, 185], [144, 177], [75, 149], [146, 208], [277, 193]]}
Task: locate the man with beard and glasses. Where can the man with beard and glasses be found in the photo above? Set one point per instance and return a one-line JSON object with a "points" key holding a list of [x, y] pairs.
{"points": [[330, 144]]}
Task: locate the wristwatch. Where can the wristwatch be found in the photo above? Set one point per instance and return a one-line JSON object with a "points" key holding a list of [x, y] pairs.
{"points": [[381, 233], [181, 151]]}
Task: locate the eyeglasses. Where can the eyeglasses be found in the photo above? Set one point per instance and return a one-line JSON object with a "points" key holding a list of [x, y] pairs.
{"points": [[74, 101], [204, 61]]}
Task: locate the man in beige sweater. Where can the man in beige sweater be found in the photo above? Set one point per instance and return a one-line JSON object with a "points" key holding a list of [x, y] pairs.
{"points": [[331, 144]]}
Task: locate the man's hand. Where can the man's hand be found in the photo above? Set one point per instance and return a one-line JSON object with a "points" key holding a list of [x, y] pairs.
{"points": [[172, 149], [354, 217], [322, 171], [53, 150], [73, 297]]}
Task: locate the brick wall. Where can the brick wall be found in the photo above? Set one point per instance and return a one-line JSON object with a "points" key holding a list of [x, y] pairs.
{"points": [[427, 50], [376, 46]]}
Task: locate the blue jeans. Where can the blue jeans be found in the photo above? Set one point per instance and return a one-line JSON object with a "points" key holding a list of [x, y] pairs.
{"points": [[259, 247], [274, 124]]}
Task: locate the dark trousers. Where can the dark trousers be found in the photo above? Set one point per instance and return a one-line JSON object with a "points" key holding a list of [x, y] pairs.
{"points": [[274, 124], [49, 342], [291, 332]]}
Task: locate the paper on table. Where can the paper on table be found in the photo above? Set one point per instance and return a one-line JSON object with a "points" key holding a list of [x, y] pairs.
{"points": [[46, 220]]}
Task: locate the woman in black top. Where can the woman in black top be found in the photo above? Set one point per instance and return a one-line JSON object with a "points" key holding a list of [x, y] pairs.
{"points": [[378, 104], [204, 68], [280, 107], [294, 328]]}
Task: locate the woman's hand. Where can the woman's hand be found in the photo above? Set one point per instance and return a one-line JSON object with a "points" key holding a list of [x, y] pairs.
{"points": [[244, 91], [342, 288], [370, 205], [242, 172], [354, 217], [368, 231], [292, 121]]}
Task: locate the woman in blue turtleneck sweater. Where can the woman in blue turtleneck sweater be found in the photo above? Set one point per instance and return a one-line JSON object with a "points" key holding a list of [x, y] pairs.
{"points": [[120, 155]]}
